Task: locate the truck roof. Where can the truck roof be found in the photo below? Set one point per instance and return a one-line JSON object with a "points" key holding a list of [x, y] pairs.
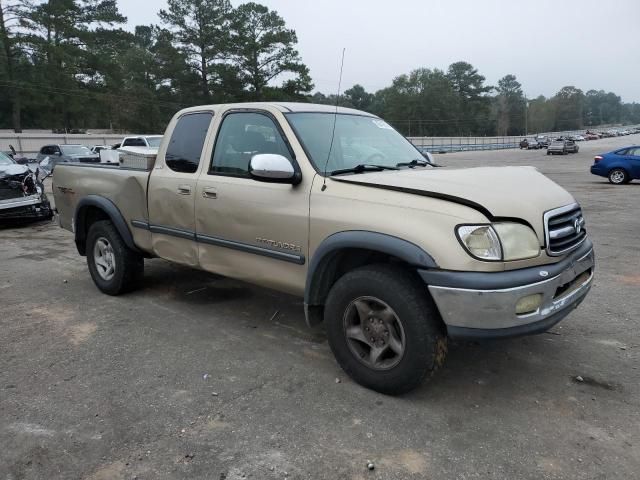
{"points": [[285, 107]]}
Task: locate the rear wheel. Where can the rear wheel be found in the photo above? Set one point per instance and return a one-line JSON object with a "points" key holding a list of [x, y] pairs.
{"points": [[113, 266], [618, 176], [384, 329]]}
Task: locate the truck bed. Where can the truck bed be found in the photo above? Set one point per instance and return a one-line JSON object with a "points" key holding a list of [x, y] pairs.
{"points": [[125, 187]]}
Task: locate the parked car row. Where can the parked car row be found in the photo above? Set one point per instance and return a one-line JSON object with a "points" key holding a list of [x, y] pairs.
{"points": [[543, 141], [560, 145]]}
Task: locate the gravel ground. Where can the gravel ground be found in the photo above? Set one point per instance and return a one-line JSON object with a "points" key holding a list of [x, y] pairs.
{"points": [[196, 376]]}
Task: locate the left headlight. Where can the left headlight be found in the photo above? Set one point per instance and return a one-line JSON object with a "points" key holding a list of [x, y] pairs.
{"points": [[499, 241]]}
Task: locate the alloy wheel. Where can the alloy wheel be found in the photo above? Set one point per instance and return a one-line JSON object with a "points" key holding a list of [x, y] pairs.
{"points": [[374, 333]]}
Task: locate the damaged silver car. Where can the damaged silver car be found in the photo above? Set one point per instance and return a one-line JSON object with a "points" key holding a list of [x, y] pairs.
{"points": [[22, 194]]}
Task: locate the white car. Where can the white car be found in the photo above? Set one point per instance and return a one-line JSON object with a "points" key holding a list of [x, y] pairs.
{"points": [[579, 138]]}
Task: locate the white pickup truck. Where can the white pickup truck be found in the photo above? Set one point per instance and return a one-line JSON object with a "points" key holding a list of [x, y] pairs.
{"points": [[152, 142]]}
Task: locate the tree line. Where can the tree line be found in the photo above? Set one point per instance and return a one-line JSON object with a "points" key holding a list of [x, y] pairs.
{"points": [[459, 102], [70, 64]]}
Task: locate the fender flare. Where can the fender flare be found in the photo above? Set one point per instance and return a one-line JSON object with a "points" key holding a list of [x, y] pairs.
{"points": [[110, 209], [618, 164], [316, 282]]}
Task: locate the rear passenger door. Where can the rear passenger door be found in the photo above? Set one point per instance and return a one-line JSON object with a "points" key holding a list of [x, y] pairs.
{"points": [[633, 156], [172, 189]]}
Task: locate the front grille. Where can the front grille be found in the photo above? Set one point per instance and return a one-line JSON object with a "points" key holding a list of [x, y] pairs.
{"points": [[565, 229]]}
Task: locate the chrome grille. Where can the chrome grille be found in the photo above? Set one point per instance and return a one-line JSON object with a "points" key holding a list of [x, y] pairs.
{"points": [[564, 229]]}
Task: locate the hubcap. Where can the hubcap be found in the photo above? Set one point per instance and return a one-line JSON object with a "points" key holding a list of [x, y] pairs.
{"points": [[617, 176], [104, 259], [374, 333]]}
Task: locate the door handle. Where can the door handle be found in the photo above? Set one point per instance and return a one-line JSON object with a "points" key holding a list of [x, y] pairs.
{"points": [[184, 189], [209, 192]]}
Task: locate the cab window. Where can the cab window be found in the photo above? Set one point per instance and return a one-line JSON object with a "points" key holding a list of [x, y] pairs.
{"points": [[134, 142], [185, 147], [243, 135]]}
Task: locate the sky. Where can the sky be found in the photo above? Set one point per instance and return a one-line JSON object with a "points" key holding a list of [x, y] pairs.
{"points": [[546, 44]]}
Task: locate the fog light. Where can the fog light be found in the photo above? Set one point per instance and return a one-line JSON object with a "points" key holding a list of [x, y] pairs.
{"points": [[528, 304]]}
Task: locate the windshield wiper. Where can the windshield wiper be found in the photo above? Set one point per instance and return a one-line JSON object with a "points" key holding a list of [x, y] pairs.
{"points": [[417, 162], [363, 167]]}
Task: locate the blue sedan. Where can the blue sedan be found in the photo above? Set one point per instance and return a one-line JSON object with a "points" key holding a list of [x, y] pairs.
{"points": [[620, 166]]}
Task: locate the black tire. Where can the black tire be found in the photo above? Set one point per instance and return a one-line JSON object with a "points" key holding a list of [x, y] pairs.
{"points": [[618, 176], [128, 264], [548, 152], [565, 152], [424, 336]]}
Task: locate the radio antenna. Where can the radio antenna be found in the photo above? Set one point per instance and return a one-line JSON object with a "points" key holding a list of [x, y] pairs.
{"points": [[333, 130]]}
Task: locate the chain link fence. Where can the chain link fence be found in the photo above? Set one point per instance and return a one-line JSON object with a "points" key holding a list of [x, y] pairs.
{"points": [[463, 144]]}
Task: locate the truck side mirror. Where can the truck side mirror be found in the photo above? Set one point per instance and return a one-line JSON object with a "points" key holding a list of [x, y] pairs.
{"points": [[273, 168]]}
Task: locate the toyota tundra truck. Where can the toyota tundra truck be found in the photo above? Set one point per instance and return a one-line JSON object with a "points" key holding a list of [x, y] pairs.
{"points": [[391, 253]]}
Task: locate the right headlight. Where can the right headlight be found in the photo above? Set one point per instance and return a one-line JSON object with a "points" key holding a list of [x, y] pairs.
{"points": [[499, 241]]}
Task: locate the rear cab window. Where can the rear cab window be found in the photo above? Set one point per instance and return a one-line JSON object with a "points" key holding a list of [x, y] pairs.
{"points": [[187, 140], [134, 142]]}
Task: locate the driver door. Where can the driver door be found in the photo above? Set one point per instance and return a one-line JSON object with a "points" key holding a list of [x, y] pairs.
{"points": [[245, 228]]}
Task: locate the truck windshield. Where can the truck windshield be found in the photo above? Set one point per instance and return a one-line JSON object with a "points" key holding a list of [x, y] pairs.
{"points": [[75, 150], [358, 140], [154, 142]]}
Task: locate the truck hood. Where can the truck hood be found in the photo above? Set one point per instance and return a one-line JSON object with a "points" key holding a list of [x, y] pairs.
{"points": [[497, 192]]}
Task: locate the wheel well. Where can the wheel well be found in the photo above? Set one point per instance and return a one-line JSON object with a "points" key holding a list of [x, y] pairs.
{"points": [[618, 168], [86, 217], [333, 267]]}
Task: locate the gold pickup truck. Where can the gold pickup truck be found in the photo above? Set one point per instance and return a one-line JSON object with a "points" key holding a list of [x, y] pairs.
{"points": [[393, 254]]}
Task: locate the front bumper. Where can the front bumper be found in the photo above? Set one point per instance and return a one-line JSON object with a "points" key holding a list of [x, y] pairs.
{"points": [[483, 305], [32, 206]]}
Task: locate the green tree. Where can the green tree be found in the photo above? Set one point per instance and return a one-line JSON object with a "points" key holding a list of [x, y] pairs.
{"points": [[201, 30], [511, 106], [264, 49], [419, 103], [358, 97], [569, 105], [59, 36], [601, 108], [542, 115], [473, 102], [10, 12]]}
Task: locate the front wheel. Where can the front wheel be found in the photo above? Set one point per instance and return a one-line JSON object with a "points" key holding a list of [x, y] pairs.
{"points": [[618, 176], [113, 266], [384, 329]]}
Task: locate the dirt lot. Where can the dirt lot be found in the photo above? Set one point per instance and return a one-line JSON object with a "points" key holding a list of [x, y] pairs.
{"points": [[195, 376]]}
